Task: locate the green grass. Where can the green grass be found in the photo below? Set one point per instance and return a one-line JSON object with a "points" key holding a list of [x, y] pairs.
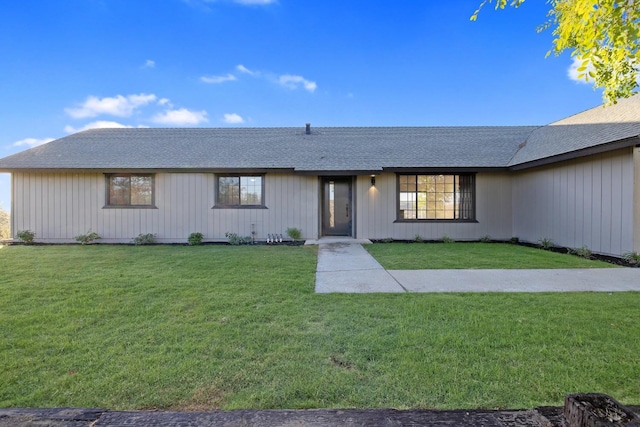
{"points": [[403, 256], [239, 327]]}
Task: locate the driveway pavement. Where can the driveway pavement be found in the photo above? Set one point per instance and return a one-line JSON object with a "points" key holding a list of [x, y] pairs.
{"points": [[346, 267]]}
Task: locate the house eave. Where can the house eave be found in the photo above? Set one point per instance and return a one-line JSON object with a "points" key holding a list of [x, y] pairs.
{"points": [[447, 169], [597, 149], [147, 170], [340, 172]]}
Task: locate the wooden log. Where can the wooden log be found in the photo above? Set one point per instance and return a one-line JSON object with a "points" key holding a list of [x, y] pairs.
{"points": [[597, 410]]}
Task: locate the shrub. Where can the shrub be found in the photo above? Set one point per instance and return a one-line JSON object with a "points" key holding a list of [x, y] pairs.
{"points": [[144, 239], [195, 239], [235, 239], [447, 239], [583, 252], [514, 240], [418, 238], [87, 238], [26, 236], [294, 233], [485, 239], [5, 231], [632, 257], [546, 243]]}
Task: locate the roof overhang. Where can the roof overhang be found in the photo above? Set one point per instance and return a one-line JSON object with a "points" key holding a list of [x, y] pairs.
{"points": [[148, 170], [597, 149], [338, 172], [448, 169]]}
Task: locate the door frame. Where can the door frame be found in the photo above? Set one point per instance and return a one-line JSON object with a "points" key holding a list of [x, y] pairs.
{"points": [[352, 187]]}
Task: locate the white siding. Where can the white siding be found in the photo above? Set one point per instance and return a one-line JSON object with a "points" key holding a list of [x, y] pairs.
{"points": [[377, 210], [60, 206], [582, 202]]}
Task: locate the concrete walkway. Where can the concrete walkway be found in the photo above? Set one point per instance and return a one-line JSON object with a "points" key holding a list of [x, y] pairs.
{"points": [[344, 266]]}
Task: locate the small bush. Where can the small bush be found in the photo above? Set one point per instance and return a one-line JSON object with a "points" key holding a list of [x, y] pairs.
{"points": [[144, 239], [418, 238], [632, 257], [546, 243], [583, 252], [294, 233], [87, 238], [485, 239], [447, 239], [26, 236], [514, 240], [5, 220], [195, 239], [235, 239]]}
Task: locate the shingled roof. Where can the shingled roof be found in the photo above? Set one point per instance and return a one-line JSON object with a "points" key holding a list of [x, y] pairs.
{"points": [[324, 150], [335, 149], [593, 129]]}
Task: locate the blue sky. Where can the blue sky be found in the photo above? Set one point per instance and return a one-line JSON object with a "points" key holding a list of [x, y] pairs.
{"points": [[76, 64]]}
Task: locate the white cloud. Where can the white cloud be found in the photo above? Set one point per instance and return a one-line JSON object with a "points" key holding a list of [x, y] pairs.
{"points": [[572, 71], [31, 142], [245, 70], [96, 125], [149, 63], [295, 82], [233, 118], [119, 106], [165, 102], [180, 117], [218, 79]]}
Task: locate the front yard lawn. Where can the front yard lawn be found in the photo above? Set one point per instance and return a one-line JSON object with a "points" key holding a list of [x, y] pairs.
{"points": [[206, 327], [462, 255]]}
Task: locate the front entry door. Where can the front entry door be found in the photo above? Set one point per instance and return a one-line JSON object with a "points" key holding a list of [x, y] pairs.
{"points": [[337, 209]]}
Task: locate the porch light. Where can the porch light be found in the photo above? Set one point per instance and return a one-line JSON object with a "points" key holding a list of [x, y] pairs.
{"points": [[373, 180]]}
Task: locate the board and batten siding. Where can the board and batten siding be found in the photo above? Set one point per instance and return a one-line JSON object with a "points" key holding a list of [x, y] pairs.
{"points": [[582, 202], [60, 206], [376, 210]]}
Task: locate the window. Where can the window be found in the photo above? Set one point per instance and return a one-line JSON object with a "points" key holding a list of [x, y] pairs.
{"points": [[240, 191], [130, 190], [436, 197]]}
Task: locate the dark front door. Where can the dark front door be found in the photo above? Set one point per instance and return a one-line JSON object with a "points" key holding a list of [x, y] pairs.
{"points": [[337, 210]]}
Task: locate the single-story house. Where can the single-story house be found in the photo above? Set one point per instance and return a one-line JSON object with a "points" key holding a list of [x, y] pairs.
{"points": [[575, 181]]}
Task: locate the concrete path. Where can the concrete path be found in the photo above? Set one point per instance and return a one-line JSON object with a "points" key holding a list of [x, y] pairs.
{"points": [[346, 267], [554, 280]]}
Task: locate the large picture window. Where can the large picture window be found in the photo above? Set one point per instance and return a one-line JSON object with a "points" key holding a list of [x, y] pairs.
{"points": [[130, 190], [436, 197], [240, 191]]}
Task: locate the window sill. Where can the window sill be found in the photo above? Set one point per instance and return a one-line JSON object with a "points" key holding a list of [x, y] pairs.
{"points": [[449, 221], [240, 207], [129, 207]]}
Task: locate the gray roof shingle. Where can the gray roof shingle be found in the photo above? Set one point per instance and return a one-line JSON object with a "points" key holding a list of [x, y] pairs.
{"points": [[591, 128], [329, 149], [326, 149]]}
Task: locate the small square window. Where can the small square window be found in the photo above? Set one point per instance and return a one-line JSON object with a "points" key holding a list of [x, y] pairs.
{"points": [[240, 191], [130, 190]]}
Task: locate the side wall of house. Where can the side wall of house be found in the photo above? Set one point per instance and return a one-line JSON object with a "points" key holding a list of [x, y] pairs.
{"points": [[63, 205], [582, 202], [636, 200], [377, 211]]}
